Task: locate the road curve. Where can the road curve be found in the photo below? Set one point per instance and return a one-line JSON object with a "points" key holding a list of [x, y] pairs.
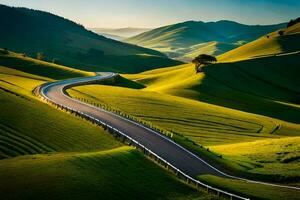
{"points": [[176, 155]]}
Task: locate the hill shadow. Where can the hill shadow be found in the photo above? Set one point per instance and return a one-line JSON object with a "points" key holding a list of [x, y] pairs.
{"points": [[263, 86]]}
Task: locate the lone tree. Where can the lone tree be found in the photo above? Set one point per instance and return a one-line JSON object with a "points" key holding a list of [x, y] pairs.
{"points": [[203, 59]]}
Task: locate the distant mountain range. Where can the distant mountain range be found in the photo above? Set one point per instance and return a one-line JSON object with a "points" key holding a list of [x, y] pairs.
{"points": [[187, 39], [119, 33], [65, 42]]}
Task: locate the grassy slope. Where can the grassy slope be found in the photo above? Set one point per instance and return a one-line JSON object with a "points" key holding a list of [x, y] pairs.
{"points": [[202, 123], [119, 173], [216, 128], [62, 156], [29, 126], [171, 97], [196, 121], [31, 31], [262, 192], [236, 88], [265, 46], [37, 67], [274, 154]]}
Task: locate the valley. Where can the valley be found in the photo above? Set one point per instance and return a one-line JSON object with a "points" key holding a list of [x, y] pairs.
{"points": [[231, 124]]}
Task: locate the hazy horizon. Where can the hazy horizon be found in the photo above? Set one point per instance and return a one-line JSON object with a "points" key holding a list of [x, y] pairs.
{"points": [[115, 28], [149, 14]]}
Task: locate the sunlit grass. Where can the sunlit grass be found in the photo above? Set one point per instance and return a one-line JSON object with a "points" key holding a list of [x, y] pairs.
{"points": [[29, 126], [251, 190], [173, 98], [119, 173], [266, 46], [278, 157], [45, 151], [204, 123]]}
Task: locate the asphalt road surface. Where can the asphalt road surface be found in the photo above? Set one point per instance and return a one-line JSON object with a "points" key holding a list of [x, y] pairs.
{"points": [[157, 143]]}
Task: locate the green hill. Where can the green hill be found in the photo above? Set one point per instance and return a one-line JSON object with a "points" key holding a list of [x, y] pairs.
{"points": [[24, 63], [183, 39], [268, 76], [29, 126], [270, 44], [65, 42], [112, 174], [48, 153], [229, 108], [216, 117]]}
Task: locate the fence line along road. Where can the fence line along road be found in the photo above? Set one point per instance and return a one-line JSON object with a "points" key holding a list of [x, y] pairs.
{"points": [[39, 91]]}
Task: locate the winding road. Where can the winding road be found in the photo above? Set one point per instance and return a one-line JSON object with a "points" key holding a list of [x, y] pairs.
{"points": [[176, 155]]}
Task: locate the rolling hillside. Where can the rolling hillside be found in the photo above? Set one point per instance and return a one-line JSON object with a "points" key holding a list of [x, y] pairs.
{"points": [[233, 124], [111, 174], [184, 39], [24, 63], [65, 42], [270, 44], [229, 106], [28, 130], [47, 152], [196, 124], [224, 78]]}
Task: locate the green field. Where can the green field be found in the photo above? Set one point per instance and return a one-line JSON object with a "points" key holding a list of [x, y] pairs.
{"points": [[47, 152]]}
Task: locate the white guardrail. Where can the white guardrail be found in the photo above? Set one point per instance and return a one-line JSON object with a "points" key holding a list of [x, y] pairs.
{"points": [[146, 151]]}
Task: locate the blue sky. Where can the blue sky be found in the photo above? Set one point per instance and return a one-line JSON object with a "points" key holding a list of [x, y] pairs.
{"points": [[154, 13]]}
